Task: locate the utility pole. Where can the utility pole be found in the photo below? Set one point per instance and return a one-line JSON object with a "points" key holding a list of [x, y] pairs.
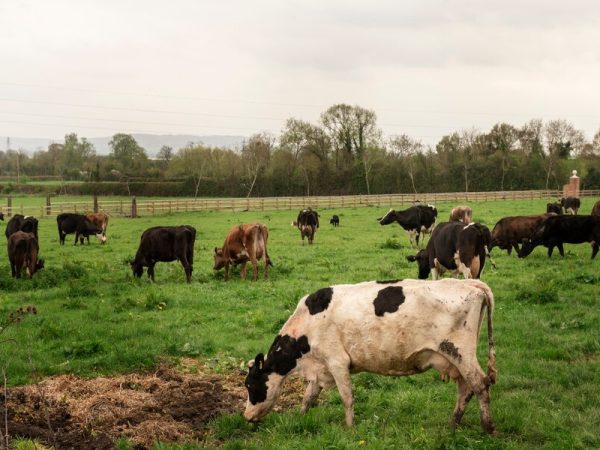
{"points": [[18, 167]]}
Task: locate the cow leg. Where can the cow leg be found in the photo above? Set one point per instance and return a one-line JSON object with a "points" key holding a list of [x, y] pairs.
{"points": [[310, 396], [561, 250], [595, 248], [463, 396], [76, 238], [266, 265], [484, 410], [254, 269], [227, 270], [417, 238], [550, 249], [341, 375], [479, 384], [243, 271], [151, 271]]}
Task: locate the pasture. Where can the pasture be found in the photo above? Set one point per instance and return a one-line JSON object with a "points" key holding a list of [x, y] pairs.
{"points": [[94, 319]]}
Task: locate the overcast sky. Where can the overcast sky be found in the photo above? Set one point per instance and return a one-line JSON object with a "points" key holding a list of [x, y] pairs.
{"points": [[238, 67]]}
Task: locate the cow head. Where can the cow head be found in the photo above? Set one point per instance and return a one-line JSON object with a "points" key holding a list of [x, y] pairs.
{"points": [[390, 217], [137, 268], [422, 259], [39, 265], [531, 242], [263, 387], [220, 259]]}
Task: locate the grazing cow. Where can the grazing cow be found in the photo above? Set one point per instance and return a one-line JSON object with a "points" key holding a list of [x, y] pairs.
{"points": [[570, 205], [246, 242], [390, 328], [19, 222], [101, 221], [596, 209], [554, 208], [307, 222], [165, 244], [558, 230], [509, 232], [335, 221], [416, 220], [454, 246], [69, 223], [462, 214], [23, 250]]}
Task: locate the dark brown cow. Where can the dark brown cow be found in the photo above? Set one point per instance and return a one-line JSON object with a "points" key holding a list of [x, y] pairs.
{"points": [[462, 214], [245, 242], [307, 222], [570, 205], [509, 232], [596, 209], [165, 244], [23, 250], [554, 208], [101, 221]]}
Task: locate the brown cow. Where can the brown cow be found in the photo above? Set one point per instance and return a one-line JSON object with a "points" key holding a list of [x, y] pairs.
{"points": [[509, 232], [461, 214], [596, 209], [101, 221], [23, 252], [245, 242]]}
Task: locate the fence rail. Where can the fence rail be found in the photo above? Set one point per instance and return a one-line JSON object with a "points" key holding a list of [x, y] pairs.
{"points": [[135, 207]]}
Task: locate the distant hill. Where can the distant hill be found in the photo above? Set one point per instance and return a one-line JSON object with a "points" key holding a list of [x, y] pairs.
{"points": [[151, 142]]}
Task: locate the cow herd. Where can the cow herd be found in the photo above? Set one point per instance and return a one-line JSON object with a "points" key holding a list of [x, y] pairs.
{"points": [[390, 327]]}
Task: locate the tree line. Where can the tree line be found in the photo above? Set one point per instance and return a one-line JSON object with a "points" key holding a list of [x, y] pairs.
{"points": [[345, 152]]}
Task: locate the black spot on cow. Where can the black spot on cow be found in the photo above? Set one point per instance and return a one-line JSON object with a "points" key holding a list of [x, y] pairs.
{"points": [[388, 300], [284, 352], [319, 301], [387, 281], [450, 349]]}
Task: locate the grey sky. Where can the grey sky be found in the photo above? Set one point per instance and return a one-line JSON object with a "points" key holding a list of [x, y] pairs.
{"points": [[238, 67]]}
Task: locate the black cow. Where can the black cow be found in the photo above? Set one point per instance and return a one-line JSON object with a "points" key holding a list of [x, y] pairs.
{"points": [[69, 223], [570, 205], [165, 244], [416, 220], [23, 250], [454, 246], [307, 222], [335, 221], [554, 208], [558, 230], [19, 222]]}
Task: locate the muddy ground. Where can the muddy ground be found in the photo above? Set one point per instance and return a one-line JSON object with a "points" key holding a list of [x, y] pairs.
{"points": [[167, 405]]}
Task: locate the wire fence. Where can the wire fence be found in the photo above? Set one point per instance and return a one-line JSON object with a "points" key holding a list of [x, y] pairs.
{"points": [[141, 207]]}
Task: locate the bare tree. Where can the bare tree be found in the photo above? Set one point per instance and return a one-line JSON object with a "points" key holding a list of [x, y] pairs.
{"points": [[407, 148], [256, 154]]}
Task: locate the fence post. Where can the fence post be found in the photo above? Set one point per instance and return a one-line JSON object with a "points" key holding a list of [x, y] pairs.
{"points": [[48, 205], [9, 205], [133, 208], [95, 202]]}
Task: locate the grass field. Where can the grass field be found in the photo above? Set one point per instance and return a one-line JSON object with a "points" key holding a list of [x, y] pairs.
{"points": [[95, 319]]}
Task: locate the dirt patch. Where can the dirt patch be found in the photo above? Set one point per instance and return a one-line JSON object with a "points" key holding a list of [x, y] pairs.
{"points": [[167, 405]]}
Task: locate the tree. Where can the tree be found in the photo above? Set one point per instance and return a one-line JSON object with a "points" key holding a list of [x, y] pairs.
{"points": [[130, 157], [562, 140], [256, 154], [502, 139], [193, 161], [165, 154], [407, 148], [354, 134]]}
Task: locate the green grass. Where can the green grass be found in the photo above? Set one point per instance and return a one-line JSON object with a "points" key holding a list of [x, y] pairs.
{"points": [[94, 319]]}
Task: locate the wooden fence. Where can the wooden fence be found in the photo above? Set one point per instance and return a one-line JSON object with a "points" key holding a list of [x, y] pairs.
{"points": [[136, 208]]}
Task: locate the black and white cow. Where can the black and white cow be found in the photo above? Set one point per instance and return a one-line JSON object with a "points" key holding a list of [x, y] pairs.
{"points": [[69, 223], [570, 205], [307, 222], [390, 328], [454, 246], [165, 244], [19, 222], [558, 230], [416, 220]]}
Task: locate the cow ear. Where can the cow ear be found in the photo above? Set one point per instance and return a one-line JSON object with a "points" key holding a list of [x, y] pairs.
{"points": [[216, 250], [411, 258], [259, 361]]}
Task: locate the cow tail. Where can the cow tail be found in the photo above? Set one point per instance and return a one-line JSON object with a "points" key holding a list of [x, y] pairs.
{"points": [[265, 233], [489, 302]]}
